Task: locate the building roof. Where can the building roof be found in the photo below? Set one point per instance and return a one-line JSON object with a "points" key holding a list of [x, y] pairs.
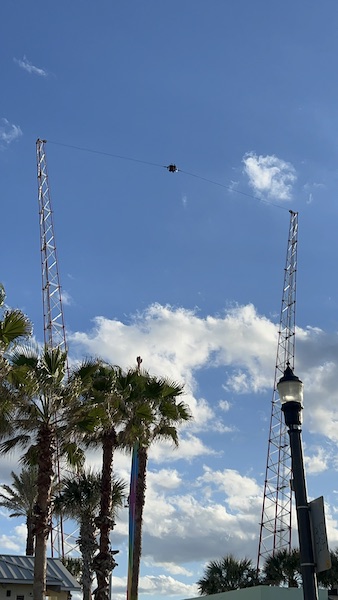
{"points": [[20, 569], [262, 592]]}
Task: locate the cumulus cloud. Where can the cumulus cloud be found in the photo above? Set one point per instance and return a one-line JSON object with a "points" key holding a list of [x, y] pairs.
{"points": [[190, 447], [270, 176], [242, 342], [26, 65], [242, 493], [16, 541], [317, 462], [224, 405], [240, 337], [157, 586], [226, 522], [9, 132]]}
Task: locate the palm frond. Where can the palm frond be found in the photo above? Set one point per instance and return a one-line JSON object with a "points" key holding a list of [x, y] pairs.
{"points": [[26, 355], [9, 445], [73, 453], [14, 326]]}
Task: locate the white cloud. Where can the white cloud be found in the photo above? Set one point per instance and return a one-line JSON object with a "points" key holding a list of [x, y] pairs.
{"points": [[317, 463], [157, 586], [190, 447], [165, 585], [31, 69], [240, 338], [16, 541], [224, 405], [66, 298], [8, 132], [190, 519], [165, 478], [171, 568], [241, 341], [312, 190], [270, 176], [242, 493], [233, 185]]}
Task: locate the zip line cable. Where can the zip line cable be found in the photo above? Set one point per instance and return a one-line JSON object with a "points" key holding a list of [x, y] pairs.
{"points": [[144, 162], [172, 168]]}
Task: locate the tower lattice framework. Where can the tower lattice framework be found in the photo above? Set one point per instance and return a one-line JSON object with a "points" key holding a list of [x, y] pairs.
{"points": [[53, 319], [275, 527]]}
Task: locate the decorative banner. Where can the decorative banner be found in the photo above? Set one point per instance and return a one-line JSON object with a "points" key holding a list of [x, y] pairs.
{"points": [[132, 505]]}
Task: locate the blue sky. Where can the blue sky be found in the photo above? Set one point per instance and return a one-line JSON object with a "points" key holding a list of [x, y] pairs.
{"points": [[186, 273]]}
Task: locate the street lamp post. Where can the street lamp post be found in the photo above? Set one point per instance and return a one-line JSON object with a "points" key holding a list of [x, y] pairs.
{"points": [[290, 390]]}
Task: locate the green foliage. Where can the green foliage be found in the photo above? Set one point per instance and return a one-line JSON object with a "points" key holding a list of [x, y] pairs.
{"points": [[14, 325], [329, 578], [74, 566], [283, 568], [20, 497], [20, 500], [227, 574], [152, 410]]}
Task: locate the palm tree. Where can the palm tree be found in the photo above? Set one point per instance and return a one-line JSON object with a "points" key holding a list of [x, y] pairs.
{"points": [[153, 414], [99, 413], [283, 568], [20, 499], [39, 422], [80, 500], [227, 574]]}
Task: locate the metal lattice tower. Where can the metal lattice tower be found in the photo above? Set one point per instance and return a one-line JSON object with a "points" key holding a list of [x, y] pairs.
{"points": [[275, 527], [53, 321]]}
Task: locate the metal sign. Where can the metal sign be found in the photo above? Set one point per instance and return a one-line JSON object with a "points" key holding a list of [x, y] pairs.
{"points": [[319, 536]]}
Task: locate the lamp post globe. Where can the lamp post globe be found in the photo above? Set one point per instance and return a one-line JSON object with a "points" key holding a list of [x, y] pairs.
{"points": [[290, 390], [290, 387]]}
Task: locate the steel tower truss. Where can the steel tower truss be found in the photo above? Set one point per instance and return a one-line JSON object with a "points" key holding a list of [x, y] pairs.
{"points": [[275, 527], [53, 321], [54, 327]]}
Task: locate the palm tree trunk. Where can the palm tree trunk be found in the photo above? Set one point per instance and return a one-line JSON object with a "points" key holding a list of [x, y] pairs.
{"points": [[88, 547], [139, 505], [42, 509], [30, 540], [104, 562]]}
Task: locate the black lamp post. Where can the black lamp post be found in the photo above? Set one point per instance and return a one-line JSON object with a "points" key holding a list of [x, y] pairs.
{"points": [[290, 390]]}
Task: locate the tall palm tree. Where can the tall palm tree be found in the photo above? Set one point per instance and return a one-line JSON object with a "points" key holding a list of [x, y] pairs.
{"points": [[154, 413], [283, 568], [99, 414], [20, 499], [80, 500], [38, 422], [227, 574]]}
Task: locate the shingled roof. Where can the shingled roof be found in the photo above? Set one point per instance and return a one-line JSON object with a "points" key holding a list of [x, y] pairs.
{"points": [[20, 569]]}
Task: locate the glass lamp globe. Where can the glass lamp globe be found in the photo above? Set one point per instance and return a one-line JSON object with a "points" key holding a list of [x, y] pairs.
{"points": [[290, 387]]}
